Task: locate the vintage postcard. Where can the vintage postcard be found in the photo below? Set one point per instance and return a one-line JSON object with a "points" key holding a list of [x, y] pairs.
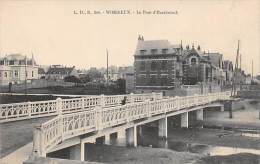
{"points": [[130, 82]]}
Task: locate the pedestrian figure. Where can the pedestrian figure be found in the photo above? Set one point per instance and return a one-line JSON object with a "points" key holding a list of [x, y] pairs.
{"points": [[123, 101]]}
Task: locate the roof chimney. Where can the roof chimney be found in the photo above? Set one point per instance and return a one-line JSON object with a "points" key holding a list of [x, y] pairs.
{"points": [[139, 38]]}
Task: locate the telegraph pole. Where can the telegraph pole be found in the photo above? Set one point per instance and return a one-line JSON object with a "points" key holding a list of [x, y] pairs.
{"points": [[235, 72], [107, 71], [26, 73], [252, 69], [233, 92]]}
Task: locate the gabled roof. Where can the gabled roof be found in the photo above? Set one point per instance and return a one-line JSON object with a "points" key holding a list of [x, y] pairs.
{"points": [[155, 44], [187, 52], [216, 59], [60, 70], [15, 57], [41, 71]]}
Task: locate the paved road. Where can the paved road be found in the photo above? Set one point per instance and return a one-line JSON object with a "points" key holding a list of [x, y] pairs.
{"points": [[14, 135]]}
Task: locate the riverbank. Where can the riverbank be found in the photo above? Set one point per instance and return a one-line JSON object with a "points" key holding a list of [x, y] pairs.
{"points": [[244, 118], [242, 158], [139, 155]]}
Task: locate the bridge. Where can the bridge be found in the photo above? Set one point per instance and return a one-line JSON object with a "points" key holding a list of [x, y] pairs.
{"points": [[77, 121]]}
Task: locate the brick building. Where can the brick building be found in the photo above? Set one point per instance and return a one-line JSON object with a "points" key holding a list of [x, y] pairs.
{"points": [[157, 65]]}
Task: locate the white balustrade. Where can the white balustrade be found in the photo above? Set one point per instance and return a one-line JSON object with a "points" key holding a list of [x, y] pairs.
{"points": [[28, 110], [66, 126]]}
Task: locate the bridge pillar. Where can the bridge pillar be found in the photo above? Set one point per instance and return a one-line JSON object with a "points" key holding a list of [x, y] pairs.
{"points": [[131, 136], [77, 152], [185, 120], [121, 134], [140, 130], [107, 139], [222, 108], [163, 128], [199, 114]]}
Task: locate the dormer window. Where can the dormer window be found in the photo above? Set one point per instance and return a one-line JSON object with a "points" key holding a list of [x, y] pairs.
{"points": [[142, 52], [164, 51], [193, 61], [154, 51]]}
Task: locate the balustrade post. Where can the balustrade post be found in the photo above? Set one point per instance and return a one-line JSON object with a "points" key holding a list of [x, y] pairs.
{"points": [[59, 106], [60, 122], [165, 106], [177, 99], [99, 118], [132, 100], [102, 101], [154, 96], [36, 141], [82, 103], [148, 107], [29, 107], [160, 96], [195, 99]]}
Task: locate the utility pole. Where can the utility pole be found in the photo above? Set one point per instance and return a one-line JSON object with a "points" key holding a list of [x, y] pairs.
{"points": [[25, 79], [107, 71], [252, 69], [235, 72], [233, 92]]}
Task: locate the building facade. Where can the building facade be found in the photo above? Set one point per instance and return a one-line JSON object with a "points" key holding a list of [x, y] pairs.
{"points": [[17, 68], [160, 65], [58, 72], [196, 66], [156, 65]]}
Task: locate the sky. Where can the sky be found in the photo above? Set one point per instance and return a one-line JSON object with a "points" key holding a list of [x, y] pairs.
{"points": [[55, 35]]}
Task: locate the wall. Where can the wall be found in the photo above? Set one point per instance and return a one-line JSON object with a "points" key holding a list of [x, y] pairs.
{"points": [[37, 83], [253, 94]]}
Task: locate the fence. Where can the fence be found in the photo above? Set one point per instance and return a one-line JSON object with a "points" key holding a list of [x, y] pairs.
{"points": [[62, 127], [28, 110]]}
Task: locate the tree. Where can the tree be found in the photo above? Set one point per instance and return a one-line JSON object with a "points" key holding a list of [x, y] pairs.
{"points": [[72, 79], [121, 85]]}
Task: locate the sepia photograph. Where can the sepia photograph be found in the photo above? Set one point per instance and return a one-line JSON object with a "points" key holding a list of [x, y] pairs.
{"points": [[130, 82]]}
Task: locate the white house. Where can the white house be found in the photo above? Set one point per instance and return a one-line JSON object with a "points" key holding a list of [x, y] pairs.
{"points": [[17, 68]]}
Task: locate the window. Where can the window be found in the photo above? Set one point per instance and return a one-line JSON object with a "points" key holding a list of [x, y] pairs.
{"points": [[193, 61], [2, 62], [32, 73], [142, 52], [11, 62], [29, 62], [153, 51], [141, 80], [164, 65], [5, 74], [153, 80], [26, 73], [16, 73], [164, 80], [164, 51], [142, 66], [153, 66]]}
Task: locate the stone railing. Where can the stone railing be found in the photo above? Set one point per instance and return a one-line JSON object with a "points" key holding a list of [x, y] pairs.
{"points": [[62, 127], [28, 110]]}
